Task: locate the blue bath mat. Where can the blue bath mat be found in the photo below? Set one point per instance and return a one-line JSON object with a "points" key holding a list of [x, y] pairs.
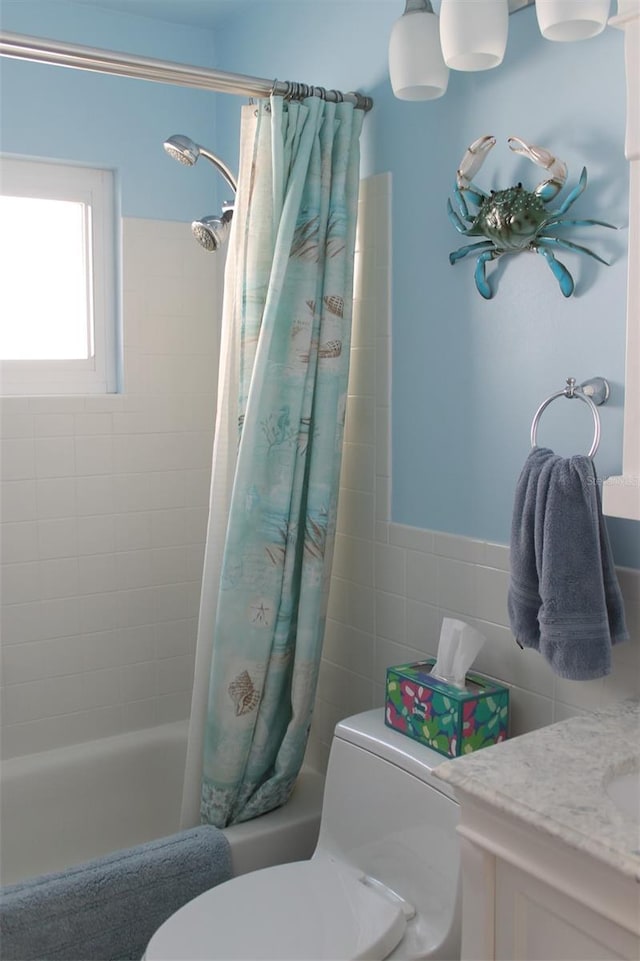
{"points": [[108, 909]]}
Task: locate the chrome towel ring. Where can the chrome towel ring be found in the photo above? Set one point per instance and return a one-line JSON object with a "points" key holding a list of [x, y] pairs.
{"points": [[592, 392]]}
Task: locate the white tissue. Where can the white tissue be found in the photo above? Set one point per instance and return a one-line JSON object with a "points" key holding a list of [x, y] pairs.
{"points": [[458, 648]]}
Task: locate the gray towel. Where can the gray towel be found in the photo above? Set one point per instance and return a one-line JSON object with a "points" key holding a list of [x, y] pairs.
{"points": [[109, 908], [564, 599]]}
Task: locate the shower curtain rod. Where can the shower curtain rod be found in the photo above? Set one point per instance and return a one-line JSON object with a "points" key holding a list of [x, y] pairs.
{"points": [[56, 52]]}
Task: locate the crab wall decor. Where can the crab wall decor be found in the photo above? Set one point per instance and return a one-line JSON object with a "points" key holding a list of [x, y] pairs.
{"points": [[515, 219]]}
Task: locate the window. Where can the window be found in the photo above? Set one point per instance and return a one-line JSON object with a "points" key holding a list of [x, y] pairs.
{"points": [[57, 293]]}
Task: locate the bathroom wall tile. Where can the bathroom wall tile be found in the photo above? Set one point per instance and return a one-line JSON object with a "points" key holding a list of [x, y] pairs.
{"points": [[497, 555], [357, 467], [348, 647], [56, 497], [413, 538], [101, 688], [100, 649], [457, 585], [58, 538], [94, 455], [54, 406], [18, 501], [15, 423], [136, 643], [583, 694], [20, 582], [491, 596], [390, 563], [176, 637], [382, 498], [344, 689], [141, 714], [54, 424], [59, 577], [171, 602], [351, 604], [175, 674], [132, 531], [422, 576], [390, 654], [95, 495], [353, 560], [43, 698], [139, 681], [629, 581], [356, 514], [359, 425], [173, 707], [459, 548], [383, 443], [17, 458], [98, 612], [362, 377], [391, 616], [99, 573], [169, 565], [18, 542], [54, 457], [92, 423], [96, 535], [423, 627], [133, 569], [528, 711]]}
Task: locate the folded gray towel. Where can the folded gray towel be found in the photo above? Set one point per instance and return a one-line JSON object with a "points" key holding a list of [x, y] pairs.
{"points": [[109, 908], [564, 599]]}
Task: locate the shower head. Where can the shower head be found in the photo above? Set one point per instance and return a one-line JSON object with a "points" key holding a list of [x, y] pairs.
{"points": [[212, 232], [185, 151], [182, 149]]}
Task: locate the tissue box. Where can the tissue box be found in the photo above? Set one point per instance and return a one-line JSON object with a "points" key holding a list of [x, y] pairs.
{"points": [[449, 720]]}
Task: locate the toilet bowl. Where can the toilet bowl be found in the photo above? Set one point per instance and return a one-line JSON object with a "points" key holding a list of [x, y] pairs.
{"points": [[383, 881]]}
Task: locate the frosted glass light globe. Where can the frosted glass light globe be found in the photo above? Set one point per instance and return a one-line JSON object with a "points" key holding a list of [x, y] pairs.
{"points": [[473, 33], [567, 20], [416, 68]]}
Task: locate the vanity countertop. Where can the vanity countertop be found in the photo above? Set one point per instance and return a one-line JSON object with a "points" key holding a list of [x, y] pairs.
{"points": [[554, 779]]}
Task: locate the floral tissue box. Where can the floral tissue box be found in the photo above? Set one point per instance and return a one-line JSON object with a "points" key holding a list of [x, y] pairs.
{"points": [[445, 718]]}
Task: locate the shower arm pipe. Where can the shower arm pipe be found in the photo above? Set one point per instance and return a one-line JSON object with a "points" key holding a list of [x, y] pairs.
{"points": [[221, 167], [42, 50]]}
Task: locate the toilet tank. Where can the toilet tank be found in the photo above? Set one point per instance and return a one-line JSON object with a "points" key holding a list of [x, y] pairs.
{"points": [[386, 815]]}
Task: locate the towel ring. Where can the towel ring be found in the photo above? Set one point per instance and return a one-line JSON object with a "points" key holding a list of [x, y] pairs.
{"points": [[592, 392]]}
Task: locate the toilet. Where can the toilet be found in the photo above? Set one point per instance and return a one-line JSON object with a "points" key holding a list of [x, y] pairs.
{"points": [[383, 881]]}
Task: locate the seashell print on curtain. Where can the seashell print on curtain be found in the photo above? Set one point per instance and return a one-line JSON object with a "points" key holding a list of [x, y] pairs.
{"points": [[289, 304]]}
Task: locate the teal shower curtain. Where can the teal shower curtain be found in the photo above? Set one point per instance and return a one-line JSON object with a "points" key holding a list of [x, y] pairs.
{"points": [[286, 337]]}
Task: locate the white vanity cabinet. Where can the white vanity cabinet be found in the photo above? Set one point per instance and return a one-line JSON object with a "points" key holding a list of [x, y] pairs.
{"points": [[550, 860], [527, 898]]}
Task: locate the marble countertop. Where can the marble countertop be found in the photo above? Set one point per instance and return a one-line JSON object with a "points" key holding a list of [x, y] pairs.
{"points": [[554, 780]]}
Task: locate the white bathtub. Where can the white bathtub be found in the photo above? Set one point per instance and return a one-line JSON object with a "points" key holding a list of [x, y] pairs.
{"points": [[66, 806]]}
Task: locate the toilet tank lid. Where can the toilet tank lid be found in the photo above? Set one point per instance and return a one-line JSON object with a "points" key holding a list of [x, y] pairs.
{"points": [[369, 732]]}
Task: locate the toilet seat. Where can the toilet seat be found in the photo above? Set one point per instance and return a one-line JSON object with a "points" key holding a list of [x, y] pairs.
{"points": [[305, 911]]}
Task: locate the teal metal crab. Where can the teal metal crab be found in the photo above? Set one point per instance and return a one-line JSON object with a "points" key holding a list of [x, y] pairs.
{"points": [[515, 219]]}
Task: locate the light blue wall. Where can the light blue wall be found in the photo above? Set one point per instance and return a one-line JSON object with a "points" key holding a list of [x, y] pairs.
{"points": [[469, 374], [70, 115]]}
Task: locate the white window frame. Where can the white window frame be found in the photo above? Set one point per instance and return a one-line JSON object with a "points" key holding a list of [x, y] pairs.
{"points": [[95, 188]]}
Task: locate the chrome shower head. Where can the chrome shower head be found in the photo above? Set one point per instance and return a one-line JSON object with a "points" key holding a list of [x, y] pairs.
{"points": [[182, 149], [186, 151], [212, 232]]}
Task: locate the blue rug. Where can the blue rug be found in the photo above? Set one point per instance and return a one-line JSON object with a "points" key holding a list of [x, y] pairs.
{"points": [[108, 909]]}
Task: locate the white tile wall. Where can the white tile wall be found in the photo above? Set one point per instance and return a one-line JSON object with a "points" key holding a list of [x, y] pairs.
{"points": [[103, 509], [391, 585]]}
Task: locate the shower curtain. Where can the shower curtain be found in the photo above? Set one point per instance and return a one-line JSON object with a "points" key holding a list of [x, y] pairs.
{"points": [[276, 461]]}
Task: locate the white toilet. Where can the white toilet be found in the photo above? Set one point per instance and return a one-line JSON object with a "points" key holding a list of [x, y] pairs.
{"points": [[383, 881]]}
